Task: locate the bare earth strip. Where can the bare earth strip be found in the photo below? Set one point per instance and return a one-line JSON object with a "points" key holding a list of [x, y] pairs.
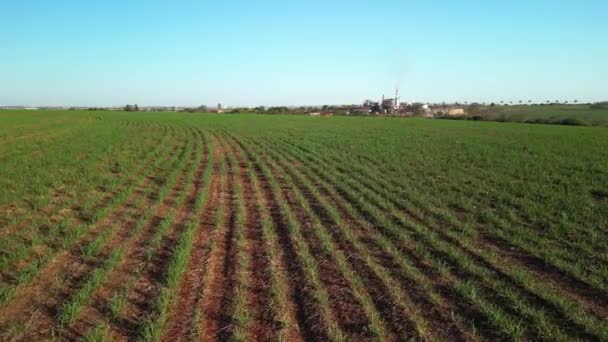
{"points": [[183, 315], [217, 280]]}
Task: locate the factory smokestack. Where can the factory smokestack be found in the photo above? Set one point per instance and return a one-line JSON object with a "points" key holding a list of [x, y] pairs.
{"points": [[396, 97]]}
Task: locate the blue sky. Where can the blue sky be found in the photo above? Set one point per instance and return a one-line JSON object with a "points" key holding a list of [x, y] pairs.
{"points": [[300, 52]]}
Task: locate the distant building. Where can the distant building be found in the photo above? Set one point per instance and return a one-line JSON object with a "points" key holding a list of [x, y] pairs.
{"points": [[445, 110], [387, 106], [394, 106], [360, 111], [456, 111]]}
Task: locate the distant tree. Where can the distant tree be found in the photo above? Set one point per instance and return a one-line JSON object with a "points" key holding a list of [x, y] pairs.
{"points": [[202, 108], [418, 108], [131, 108], [492, 104], [599, 105], [280, 109], [474, 108], [575, 101]]}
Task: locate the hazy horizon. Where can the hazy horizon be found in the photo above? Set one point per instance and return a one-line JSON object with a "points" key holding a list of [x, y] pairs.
{"points": [[190, 53]]}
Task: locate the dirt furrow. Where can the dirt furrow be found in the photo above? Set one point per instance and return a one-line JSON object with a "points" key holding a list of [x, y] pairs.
{"points": [[351, 317], [219, 282], [310, 325], [226, 324], [280, 307], [262, 327], [182, 319]]}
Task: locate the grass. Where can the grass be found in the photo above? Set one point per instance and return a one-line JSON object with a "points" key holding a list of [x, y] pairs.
{"points": [[73, 306], [58, 238], [376, 325], [423, 229]]}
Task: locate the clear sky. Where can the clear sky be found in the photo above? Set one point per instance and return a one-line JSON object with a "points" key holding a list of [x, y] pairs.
{"points": [[257, 52]]}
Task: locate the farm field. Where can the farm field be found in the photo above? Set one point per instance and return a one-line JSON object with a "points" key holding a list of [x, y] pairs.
{"points": [[581, 115], [174, 226]]}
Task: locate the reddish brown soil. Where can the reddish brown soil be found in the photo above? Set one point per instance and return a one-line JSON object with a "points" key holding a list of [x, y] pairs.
{"points": [[230, 271], [181, 321], [218, 280], [348, 311], [262, 327], [266, 324], [301, 293]]}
